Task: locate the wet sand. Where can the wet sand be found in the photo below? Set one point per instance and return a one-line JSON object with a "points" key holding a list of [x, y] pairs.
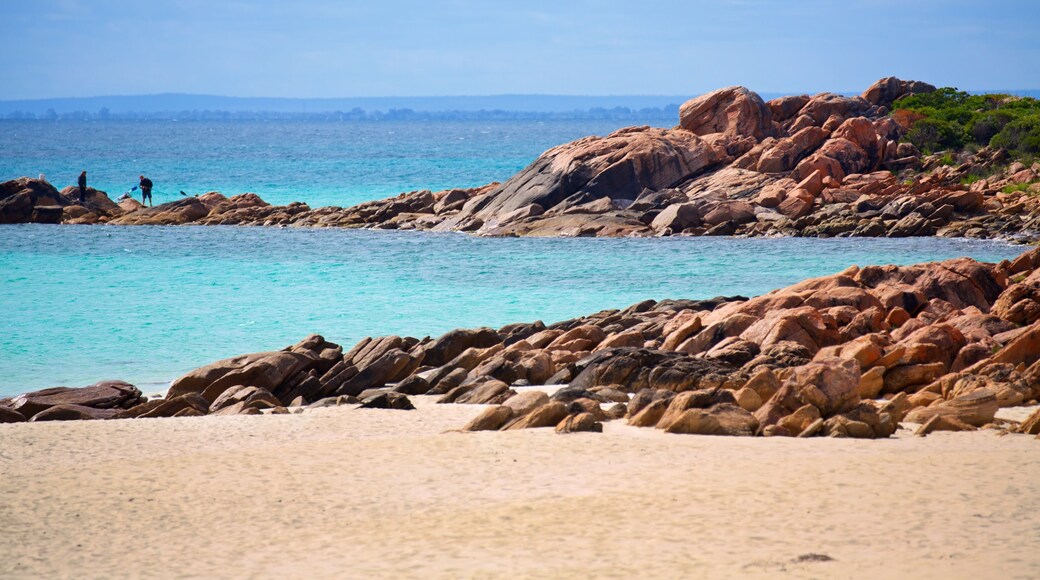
{"points": [[359, 493]]}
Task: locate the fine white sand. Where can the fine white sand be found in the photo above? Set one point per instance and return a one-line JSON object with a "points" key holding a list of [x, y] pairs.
{"points": [[358, 493]]}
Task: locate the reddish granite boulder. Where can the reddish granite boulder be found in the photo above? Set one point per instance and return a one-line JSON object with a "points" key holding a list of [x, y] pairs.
{"points": [[887, 90], [732, 110]]}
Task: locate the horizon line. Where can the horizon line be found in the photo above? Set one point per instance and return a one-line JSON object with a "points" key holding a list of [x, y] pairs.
{"points": [[458, 96]]}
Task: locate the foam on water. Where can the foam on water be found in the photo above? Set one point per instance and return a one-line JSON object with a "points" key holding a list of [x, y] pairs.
{"points": [[145, 304]]}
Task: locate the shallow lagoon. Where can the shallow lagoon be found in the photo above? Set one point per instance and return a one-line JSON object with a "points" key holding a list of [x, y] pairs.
{"points": [[145, 304]]}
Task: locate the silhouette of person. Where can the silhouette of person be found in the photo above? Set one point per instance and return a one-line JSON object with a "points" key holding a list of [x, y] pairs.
{"points": [[83, 187], [146, 190]]}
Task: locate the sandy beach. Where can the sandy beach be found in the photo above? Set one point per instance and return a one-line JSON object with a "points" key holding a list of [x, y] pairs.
{"points": [[359, 493]]}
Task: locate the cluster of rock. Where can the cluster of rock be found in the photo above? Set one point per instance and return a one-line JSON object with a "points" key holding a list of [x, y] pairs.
{"points": [[942, 344], [826, 165]]}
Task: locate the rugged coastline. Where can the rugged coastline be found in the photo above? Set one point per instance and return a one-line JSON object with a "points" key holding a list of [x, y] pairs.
{"points": [[942, 345], [823, 166]]}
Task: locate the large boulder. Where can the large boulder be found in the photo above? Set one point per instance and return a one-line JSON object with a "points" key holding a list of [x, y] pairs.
{"points": [[103, 395], [732, 110], [178, 212], [619, 166], [829, 384], [886, 91], [25, 200], [266, 370]]}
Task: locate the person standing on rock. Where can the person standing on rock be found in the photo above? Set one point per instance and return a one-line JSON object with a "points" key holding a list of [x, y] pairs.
{"points": [[146, 190], [83, 187]]}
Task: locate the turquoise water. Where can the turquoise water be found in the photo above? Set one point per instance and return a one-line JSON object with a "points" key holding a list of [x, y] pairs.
{"points": [[319, 162], [146, 304]]}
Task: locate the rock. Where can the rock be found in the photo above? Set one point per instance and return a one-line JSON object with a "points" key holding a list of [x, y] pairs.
{"points": [[72, 413], [748, 399], [255, 397], [722, 419], [8, 415], [171, 406], [676, 218], [871, 383], [525, 402], [450, 345], [942, 423], [829, 384], [648, 415], [581, 422], [26, 200], [490, 419], [266, 370], [801, 419], [103, 395], [682, 402], [901, 377], [785, 108], [413, 385], [619, 166], [732, 110], [764, 382], [547, 415], [1030, 426], [787, 152], [797, 203], [182, 211], [391, 400], [886, 91], [490, 391], [975, 409]]}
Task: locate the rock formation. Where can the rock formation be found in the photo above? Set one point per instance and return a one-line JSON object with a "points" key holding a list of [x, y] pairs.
{"points": [[824, 165], [943, 344]]}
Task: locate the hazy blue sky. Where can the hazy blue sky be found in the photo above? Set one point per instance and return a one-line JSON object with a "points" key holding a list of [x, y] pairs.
{"points": [[329, 48]]}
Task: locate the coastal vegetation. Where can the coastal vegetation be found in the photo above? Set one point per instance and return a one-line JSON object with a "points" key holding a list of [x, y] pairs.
{"points": [[951, 119]]}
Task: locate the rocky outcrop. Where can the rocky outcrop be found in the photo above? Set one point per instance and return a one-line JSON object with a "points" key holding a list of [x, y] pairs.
{"points": [[823, 166], [76, 403], [943, 344]]}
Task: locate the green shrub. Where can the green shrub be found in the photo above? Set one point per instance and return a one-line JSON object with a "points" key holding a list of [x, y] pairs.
{"points": [[1021, 135], [930, 135], [984, 126], [949, 118]]}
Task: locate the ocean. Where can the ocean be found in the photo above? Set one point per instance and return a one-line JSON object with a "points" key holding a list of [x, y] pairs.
{"points": [[146, 304], [321, 163]]}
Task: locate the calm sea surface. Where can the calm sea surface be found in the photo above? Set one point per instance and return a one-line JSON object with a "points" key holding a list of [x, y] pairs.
{"points": [[318, 162], [145, 304]]}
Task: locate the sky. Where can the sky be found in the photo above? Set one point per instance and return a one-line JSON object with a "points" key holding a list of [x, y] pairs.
{"points": [[344, 48]]}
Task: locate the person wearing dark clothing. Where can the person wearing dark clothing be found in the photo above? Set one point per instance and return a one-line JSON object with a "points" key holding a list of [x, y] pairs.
{"points": [[146, 189], [83, 187]]}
